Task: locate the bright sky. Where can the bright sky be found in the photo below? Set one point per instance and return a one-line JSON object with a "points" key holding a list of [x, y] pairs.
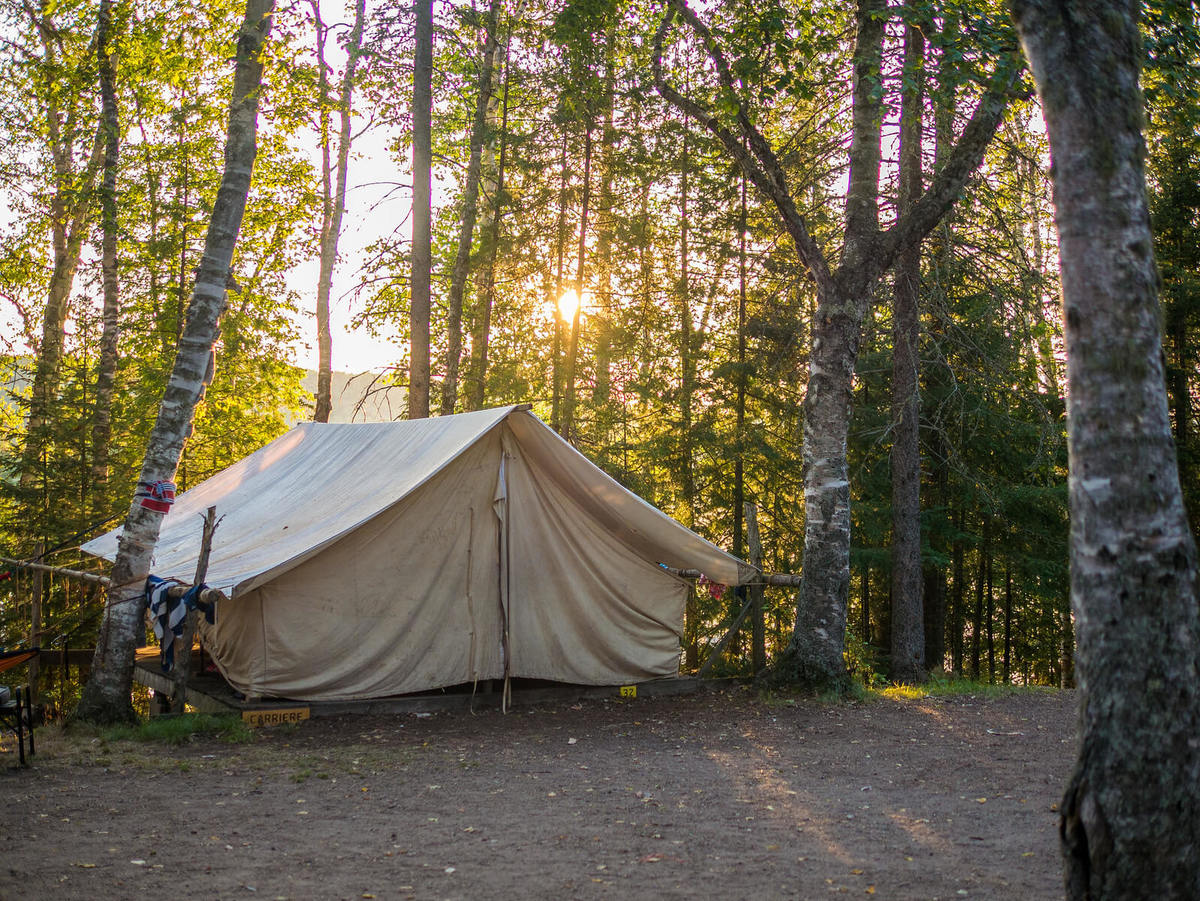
{"points": [[378, 203], [368, 217]]}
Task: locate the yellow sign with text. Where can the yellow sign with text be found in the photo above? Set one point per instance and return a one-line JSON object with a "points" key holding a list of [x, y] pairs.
{"points": [[256, 718], [628, 691]]}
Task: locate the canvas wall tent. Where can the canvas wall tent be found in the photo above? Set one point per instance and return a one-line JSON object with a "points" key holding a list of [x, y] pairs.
{"points": [[367, 560]]}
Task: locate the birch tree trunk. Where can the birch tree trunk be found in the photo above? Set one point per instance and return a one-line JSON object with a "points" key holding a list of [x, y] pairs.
{"points": [[106, 368], [422, 214], [334, 205], [1130, 823], [470, 207], [106, 696]]}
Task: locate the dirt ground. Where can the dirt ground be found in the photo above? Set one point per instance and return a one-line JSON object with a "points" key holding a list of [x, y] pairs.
{"points": [[718, 794]]}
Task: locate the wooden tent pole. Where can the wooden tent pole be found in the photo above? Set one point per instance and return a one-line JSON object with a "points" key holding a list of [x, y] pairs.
{"points": [[62, 571], [775, 580], [208, 595], [716, 652], [758, 653], [35, 627], [183, 652]]}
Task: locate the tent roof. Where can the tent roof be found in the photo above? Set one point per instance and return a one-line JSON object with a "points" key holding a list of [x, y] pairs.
{"points": [[289, 500]]}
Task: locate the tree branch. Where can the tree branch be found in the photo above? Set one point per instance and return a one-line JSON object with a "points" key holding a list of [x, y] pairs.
{"points": [[759, 161], [961, 163]]}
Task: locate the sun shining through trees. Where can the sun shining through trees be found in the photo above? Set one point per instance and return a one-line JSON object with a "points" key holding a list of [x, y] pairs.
{"points": [[568, 303]]}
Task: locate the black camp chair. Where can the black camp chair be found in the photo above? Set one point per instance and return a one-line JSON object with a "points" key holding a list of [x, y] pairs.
{"points": [[16, 709]]}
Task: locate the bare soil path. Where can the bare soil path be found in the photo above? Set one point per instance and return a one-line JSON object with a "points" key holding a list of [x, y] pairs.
{"points": [[719, 794]]}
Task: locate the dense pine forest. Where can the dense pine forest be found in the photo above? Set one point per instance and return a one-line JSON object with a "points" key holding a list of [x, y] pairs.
{"points": [[597, 250]]}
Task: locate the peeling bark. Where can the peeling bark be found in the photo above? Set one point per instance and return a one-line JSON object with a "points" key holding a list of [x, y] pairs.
{"points": [[1130, 824], [106, 696]]}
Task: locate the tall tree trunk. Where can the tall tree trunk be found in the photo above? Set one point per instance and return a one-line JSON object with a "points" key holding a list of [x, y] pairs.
{"points": [[334, 200], [70, 211], [865, 604], [977, 619], [1130, 824], [568, 411], [470, 205], [422, 214], [106, 696], [958, 599], [990, 619], [687, 362], [933, 594], [561, 255], [106, 368], [814, 655], [908, 612], [490, 229], [1008, 618], [603, 310], [739, 451]]}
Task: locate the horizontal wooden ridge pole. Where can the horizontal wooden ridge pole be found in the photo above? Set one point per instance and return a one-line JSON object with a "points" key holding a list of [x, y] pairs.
{"points": [[208, 595], [778, 580], [58, 571]]}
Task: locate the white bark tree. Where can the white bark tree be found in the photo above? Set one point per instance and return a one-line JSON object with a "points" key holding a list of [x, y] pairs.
{"points": [[106, 696], [1130, 823]]}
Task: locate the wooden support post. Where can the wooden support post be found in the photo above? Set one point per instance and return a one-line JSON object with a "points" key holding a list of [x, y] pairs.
{"points": [[29, 720], [20, 727], [758, 650], [35, 626], [715, 654], [183, 650]]}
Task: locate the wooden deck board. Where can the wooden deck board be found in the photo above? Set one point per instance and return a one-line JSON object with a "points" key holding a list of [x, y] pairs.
{"points": [[210, 693]]}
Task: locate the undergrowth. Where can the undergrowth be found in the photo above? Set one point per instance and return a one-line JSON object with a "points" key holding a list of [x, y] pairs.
{"points": [[179, 730], [951, 686]]}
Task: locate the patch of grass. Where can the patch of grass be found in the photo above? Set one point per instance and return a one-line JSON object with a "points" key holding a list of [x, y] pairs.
{"points": [[902, 692], [179, 730], [941, 686]]}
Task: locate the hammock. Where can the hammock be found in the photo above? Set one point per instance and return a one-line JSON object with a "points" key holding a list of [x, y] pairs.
{"points": [[9, 659]]}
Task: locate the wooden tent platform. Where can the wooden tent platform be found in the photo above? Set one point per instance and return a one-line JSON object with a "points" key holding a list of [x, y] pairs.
{"points": [[208, 692]]}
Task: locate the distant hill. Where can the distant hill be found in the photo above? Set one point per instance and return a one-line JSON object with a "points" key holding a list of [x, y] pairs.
{"points": [[361, 398]]}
